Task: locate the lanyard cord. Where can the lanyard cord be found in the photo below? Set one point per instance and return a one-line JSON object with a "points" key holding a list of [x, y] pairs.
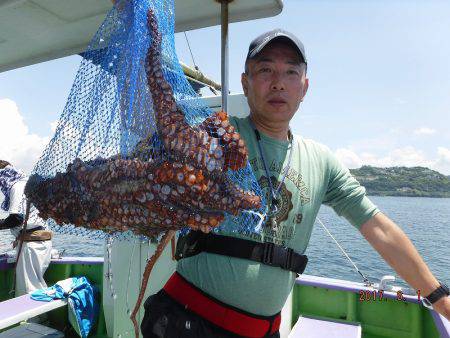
{"points": [[273, 192]]}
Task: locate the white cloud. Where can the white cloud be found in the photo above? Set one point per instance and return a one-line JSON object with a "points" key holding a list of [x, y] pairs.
{"points": [[399, 100], [349, 158], [444, 153], [409, 157], [442, 163], [53, 126], [405, 156], [424, 131], [17, 144]]}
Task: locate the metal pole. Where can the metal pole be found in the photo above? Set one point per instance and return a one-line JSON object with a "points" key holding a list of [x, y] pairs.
{"points": [[224, 54]]}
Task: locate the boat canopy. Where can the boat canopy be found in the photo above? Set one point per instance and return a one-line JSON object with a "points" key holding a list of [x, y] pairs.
{"points": [[33, 31]]}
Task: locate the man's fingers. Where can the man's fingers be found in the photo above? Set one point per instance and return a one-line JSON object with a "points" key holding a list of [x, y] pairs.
{"points": [[204, 228]]}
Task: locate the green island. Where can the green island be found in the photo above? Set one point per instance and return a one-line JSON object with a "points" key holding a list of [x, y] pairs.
{"points": [[403, 181]]}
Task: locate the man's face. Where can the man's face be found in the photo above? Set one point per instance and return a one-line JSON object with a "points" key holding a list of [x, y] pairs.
{"points": [[275, 83]]}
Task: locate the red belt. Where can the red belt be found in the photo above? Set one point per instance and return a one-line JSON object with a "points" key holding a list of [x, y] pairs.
{"points": [[217, 313]]}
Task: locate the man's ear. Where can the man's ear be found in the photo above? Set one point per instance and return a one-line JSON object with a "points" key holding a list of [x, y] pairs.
{"points": [[305, 88], [244, 82]]}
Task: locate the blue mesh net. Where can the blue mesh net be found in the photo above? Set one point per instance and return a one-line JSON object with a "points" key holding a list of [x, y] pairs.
{"points": [[136, 151]]}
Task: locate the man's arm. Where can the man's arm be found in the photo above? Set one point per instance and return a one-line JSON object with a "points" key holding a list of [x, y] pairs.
{"points": [[398, 251], [15, 217]]}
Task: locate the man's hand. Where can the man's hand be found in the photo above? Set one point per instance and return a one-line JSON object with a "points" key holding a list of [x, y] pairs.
{"points": [[397, 250], [11, 221], [442, 306], [203, 228], [206, 229]]}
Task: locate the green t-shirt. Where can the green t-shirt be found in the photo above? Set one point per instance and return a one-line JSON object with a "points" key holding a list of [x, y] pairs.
{"points": [[315, 177]]}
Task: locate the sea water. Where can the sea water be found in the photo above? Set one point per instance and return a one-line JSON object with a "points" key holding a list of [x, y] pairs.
{"points": [[426, 221]]}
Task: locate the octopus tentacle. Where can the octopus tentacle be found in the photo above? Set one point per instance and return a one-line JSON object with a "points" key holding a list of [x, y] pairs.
{"points": [[148, 269], [217, 125], [154, 215], [215, 153], [122, 194]]}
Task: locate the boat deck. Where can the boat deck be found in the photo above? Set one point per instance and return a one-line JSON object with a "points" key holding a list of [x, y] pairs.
{"points": [[320, 298]]}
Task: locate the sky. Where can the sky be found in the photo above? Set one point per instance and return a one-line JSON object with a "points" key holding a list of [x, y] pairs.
{"points": [[379, 75]]}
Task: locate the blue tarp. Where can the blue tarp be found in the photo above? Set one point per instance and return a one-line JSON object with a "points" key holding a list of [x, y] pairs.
{"points": [[80, 293]]}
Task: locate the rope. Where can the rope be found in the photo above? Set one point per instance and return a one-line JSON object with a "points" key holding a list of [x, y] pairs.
{"points": [[366, 280], [211, 88], [190, 51]]}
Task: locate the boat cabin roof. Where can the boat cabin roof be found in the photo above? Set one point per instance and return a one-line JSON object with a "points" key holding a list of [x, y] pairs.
{"points": [[33, 31]]}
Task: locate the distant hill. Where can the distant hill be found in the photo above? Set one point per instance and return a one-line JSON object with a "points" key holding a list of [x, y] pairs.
{"points": [[403, 181]]}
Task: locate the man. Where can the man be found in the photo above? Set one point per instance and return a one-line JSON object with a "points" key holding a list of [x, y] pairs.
{"points": [[221, 291], [34, 243]]}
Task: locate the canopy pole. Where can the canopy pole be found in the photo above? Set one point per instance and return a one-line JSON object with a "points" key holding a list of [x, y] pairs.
{"points": [[224, 52]]}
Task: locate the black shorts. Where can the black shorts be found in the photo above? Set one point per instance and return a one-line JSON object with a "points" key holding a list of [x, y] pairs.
{"points": [[166, 318]]}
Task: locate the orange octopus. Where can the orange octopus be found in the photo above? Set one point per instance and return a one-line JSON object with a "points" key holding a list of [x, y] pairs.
{"points": [[151, 196]]}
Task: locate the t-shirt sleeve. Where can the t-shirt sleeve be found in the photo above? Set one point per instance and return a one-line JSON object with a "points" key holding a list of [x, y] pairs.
{"points": [[345, 195]]}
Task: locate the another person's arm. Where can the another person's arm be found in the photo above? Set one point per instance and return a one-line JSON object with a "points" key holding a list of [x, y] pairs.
{"points": [[15, 217]]}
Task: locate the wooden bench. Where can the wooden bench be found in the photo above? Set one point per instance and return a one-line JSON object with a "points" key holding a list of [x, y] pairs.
{"points": [[318, 328], [15, 310]]}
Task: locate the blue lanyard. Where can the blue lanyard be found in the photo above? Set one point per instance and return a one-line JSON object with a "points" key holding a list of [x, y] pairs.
{"points": [[273, 206]]}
